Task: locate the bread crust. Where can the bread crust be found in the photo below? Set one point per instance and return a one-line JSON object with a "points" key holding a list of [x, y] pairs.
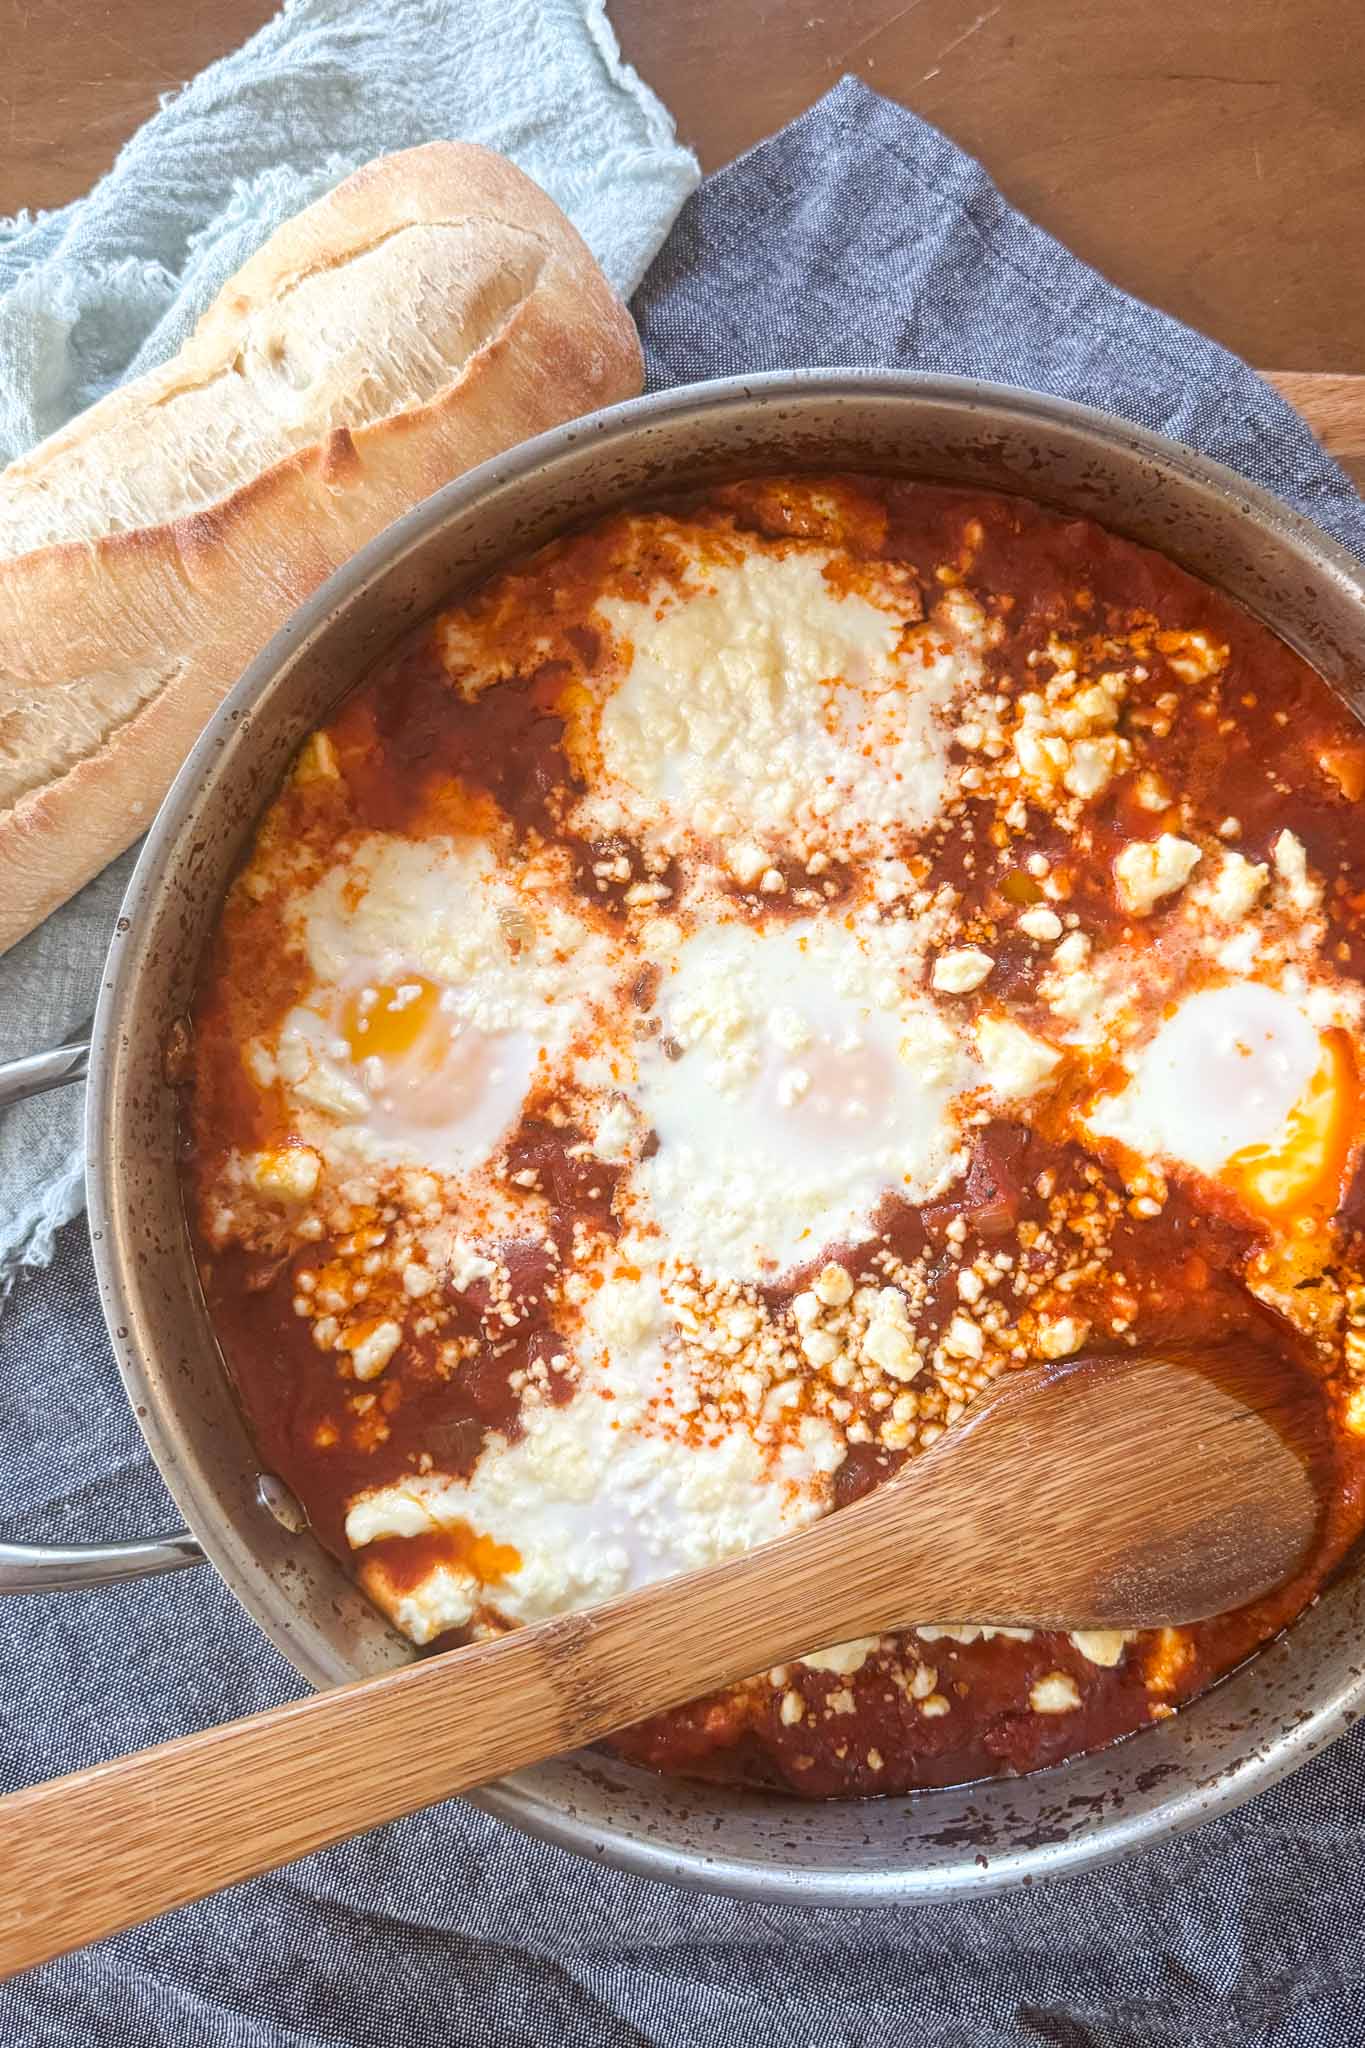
{"points": [[115, 646]]}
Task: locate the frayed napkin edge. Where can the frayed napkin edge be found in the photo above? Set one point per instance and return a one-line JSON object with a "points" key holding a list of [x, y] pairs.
{"points": [[31, 1238]]}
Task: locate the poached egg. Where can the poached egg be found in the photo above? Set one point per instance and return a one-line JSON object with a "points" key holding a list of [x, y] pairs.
{"points": [[1240, 1085]]}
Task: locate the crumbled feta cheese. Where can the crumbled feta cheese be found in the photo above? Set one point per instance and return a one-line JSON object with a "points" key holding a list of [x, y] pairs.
{"points": [[1041, 923], [1150, 792], [805, 1309], [467, 1266], [888, 1346], [1060, 1336], [317, 761], [1016, 1063], [833, 1285], [1072, 953], [745, 861], [1193, 656], [819, 1347], [1291, 865], [1065, 738], [1043, 756], [844, 1658], [1148, 869], [789, 1029], [1238, 884], [1103, 1646], [1054, 1694], [1091, 767], [289, 1175], [958, 972], [723, 713], [446, 1598], [372, 1352], [963, 1338], [955, 1632], [261, 1063], [615, 1130], [1238, 954]]}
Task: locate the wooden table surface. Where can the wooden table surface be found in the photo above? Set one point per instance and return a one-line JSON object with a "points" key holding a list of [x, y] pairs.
{"points": [[1206, 154]]}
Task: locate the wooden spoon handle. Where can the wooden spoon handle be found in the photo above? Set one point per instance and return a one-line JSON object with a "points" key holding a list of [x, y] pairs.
{"points": [[87, 1855], [1163, 1494]]}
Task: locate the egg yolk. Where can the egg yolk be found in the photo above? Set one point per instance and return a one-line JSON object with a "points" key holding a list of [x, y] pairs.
{"points": [[1304, 1168], [423, 1068], [830, 1097], [388, 1019]]}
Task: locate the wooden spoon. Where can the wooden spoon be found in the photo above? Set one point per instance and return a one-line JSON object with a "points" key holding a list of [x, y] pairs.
{"points": [[1109, 1492]]}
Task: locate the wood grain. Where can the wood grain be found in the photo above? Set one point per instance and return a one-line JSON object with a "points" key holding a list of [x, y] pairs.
{"points": [[78, 76], [1211, 159], [1334, 408], [1165, 1493]]}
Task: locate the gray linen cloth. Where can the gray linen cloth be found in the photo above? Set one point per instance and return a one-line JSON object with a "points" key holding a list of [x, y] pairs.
{"points": [[858, 235]]}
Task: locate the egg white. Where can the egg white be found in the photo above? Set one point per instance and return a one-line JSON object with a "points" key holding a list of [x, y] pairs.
{"points": [[769, 695], [797, 1079], [516, 976], [1223, 1074]]}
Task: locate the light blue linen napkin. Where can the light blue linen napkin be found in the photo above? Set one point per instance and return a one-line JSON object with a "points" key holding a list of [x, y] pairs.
{"points": [[106, 287]]}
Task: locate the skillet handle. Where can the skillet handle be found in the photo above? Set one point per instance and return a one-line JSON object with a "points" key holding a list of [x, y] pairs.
{"points": [[39, 1071], [56, 1567]]}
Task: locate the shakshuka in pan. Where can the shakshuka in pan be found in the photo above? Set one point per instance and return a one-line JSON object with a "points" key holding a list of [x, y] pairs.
{"points": [[722, 994]]}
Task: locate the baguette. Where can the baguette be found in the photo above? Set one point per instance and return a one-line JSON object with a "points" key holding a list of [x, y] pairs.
{"points": [[432, 311]]}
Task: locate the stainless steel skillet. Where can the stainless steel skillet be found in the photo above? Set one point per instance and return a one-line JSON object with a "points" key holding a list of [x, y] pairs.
{"points": [[1295, 1696]]}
